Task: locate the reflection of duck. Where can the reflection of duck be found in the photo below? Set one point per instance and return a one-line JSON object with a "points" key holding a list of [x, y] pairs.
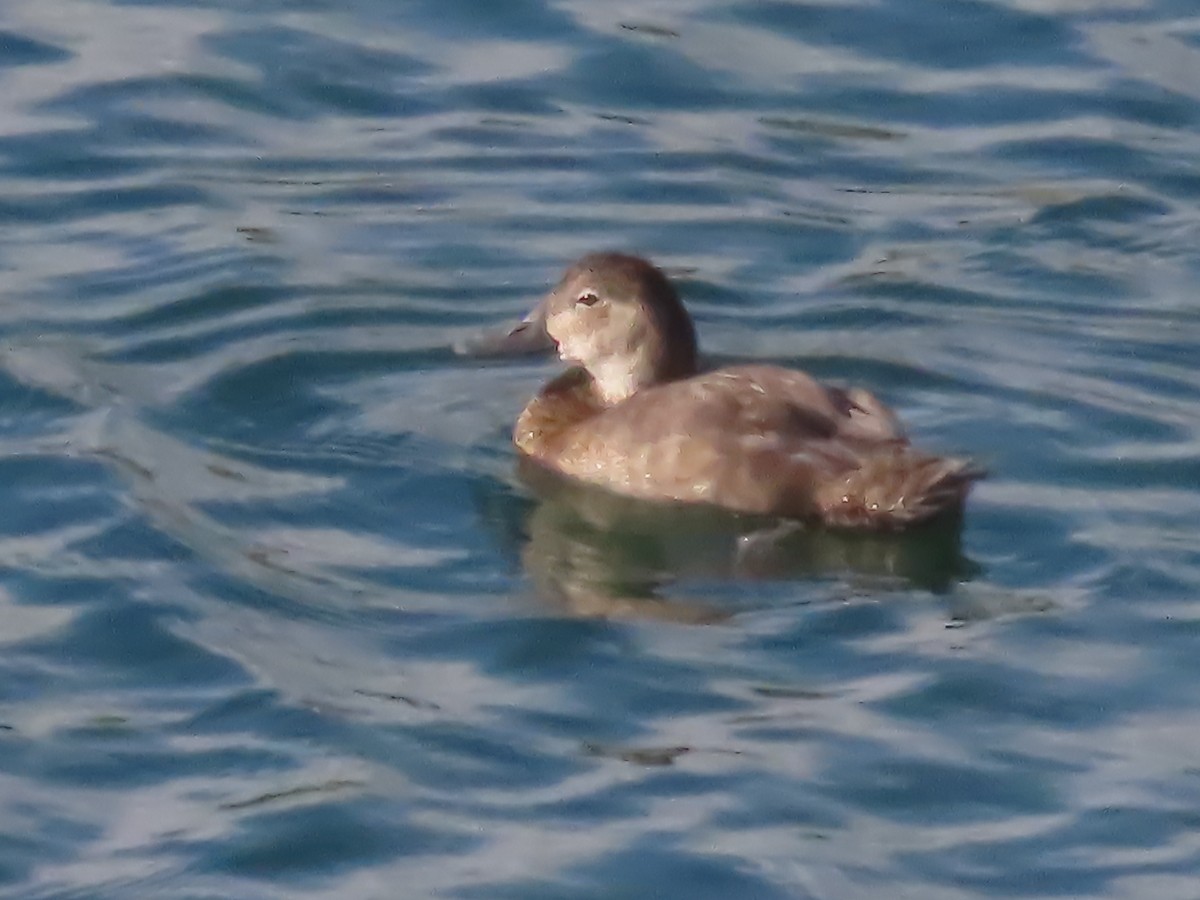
{"points": [[592, 552], [636, 416]]}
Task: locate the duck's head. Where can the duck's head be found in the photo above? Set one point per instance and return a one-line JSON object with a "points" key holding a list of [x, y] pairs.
{"points": [[618, 317]]}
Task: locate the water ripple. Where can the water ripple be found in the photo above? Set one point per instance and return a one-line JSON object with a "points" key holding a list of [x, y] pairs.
{"points": [[280, 617]]}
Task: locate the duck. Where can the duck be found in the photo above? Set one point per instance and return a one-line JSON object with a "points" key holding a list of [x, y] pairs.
{"points": [[635, 413]]}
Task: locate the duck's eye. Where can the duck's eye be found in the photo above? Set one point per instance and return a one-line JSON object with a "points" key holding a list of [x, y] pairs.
{"points": [[588, 299]]}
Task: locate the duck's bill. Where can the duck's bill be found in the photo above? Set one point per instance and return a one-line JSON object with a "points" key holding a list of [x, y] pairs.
{"points": [[526, 338]]}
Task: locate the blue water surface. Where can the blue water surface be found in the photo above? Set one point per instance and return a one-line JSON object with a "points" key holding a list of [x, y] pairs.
{"points": [[280, 618]]}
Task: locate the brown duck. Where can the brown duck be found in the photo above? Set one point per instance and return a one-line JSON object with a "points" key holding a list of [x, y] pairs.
{"points": [[636, 415]]}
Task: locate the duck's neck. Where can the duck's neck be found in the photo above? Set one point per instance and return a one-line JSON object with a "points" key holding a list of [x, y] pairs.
{"points": [[617, 378]]}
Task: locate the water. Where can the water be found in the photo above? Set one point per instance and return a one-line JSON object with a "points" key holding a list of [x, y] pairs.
{"points": [[280, 619]]}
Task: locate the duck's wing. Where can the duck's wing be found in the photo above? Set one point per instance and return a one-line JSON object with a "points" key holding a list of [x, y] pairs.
{"points": [[757, 439], [765, 441], [816, 410], [845, 459]]}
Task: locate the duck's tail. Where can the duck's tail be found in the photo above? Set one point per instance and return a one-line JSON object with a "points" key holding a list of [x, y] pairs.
{"points": [[897, 489]]}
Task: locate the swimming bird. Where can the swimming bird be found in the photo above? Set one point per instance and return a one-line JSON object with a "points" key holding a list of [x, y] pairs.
{"points": [[636, 414]]}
